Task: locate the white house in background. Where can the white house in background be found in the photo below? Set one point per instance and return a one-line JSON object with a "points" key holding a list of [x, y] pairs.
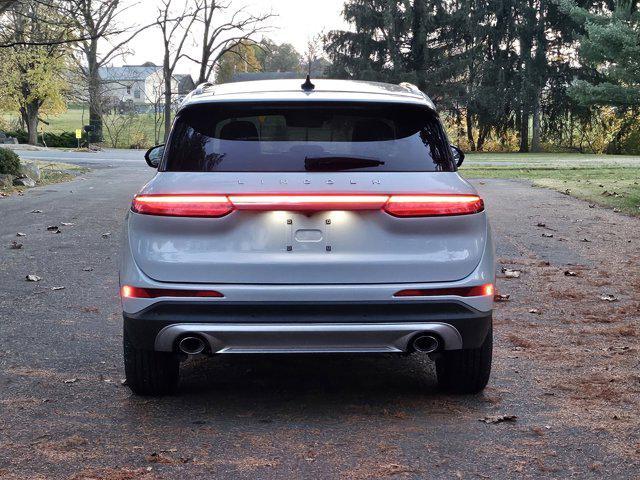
{"points": [[141, 84]]}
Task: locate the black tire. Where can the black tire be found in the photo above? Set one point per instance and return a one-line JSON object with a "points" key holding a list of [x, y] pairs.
{"points": [[148, 372], [468, 370]]}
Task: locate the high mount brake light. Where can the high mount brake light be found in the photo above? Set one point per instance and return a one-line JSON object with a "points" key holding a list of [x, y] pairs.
{"points": [[221, 205], [128, 291], [479, 291]]}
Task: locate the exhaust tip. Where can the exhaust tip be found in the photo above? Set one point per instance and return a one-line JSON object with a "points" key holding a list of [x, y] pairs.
{"points": [[426, 344], [191, 345]]}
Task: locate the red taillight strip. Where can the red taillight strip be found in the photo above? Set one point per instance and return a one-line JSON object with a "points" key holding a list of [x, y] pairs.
{"points": [[433, 205], [221, 205], [182, 205], [478, 291], [128, 291]]}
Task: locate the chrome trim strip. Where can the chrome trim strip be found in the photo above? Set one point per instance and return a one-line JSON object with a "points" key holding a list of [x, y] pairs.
{"points": [[307, 338]]}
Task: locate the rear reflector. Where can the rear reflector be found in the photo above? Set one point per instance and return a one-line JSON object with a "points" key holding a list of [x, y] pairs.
{"points": [[128, 291], [479, 291], [221, 205]]}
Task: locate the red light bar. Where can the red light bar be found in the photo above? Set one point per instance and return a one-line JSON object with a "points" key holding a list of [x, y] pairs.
{"points": [[479, 291], [182, 205], [308, 202], [433, 205], [205, 205], [128, 291]]}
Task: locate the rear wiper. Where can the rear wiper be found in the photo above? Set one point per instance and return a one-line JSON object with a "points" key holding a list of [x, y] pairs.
{"points": [[332, 164]]}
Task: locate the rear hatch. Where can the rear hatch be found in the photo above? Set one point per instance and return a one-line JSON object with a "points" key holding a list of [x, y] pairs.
{"points": [[307, 194]]}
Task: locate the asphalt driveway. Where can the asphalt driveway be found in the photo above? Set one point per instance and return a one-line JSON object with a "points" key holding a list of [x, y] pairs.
{"points": [[566, 362]]}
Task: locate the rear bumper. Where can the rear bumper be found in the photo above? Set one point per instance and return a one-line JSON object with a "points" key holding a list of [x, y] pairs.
{"points": [[307, 327]]}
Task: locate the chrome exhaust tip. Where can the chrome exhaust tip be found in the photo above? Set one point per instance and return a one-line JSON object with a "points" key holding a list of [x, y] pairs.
{"points": [[191, 345], [425, 344]]}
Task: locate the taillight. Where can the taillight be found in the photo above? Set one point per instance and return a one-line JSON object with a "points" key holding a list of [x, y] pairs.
{"points": [[478, 291], [182, 205], [221, 205], [433, 205], [128, 291]]}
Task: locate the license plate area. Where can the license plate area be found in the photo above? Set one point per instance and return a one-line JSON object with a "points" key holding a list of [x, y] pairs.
{"points": [[308, 233]]}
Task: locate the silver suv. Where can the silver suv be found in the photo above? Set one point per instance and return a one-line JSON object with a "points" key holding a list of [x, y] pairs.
{"points": [[288, 217]]}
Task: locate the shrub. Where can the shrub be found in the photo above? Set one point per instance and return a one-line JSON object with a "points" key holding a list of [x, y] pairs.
{"points": [[21, 135], [9, 162], [64, 139]]}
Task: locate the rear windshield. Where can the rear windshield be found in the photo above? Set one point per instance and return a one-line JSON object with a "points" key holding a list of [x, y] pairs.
{"points": [[298, 138]]}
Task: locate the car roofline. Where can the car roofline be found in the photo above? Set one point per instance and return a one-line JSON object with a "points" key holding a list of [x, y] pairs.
{"points": [[285, 91]]}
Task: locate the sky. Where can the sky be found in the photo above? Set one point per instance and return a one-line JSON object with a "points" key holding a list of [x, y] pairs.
{"points": [[297, 21]]}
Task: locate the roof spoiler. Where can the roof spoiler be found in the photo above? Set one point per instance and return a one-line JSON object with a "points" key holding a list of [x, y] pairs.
{"points": [[201, 88], [412, 88]]}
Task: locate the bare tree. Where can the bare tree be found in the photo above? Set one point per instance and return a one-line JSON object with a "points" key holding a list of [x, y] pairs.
{"points": [[175, 29], [95, 20], [222, 30]]}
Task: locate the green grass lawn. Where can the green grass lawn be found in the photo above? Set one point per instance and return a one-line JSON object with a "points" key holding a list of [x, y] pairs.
{"points": [[610, 181], [139, 130]]}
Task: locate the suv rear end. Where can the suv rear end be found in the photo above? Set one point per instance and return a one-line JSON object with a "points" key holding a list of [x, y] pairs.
{"points": [[290, 220]]}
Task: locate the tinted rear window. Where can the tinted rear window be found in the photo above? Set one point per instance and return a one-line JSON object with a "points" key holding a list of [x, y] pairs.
{"points": [[297, 138]]}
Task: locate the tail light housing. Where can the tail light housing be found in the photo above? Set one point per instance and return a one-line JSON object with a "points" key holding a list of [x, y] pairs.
{"points": [[433, 205], [220, 205]]}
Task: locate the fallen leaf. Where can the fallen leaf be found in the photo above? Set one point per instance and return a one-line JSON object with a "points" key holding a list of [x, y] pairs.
{"points": [[616, 210], [33, 278], [501, 297], [36, 211], [547, 235], [534, 310], [71, 380], [53, 228], [540, 224], [592, 205], [67, 224], [15, 245], [87, 269], [57, 288], [607, 297], [106, 234], [509, 273], [20, 234], [586, 240], [499, 418], [570, 273]]}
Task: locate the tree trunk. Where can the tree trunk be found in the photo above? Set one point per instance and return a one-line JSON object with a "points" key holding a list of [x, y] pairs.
{"points": [[95, 94], [29, 116], [524, 130], [419, 42], [472, 143], [535, 137], [167, 100]]}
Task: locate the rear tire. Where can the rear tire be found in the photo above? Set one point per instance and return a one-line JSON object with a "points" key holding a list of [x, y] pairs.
{"points": [[468, 370], [149, 372]]}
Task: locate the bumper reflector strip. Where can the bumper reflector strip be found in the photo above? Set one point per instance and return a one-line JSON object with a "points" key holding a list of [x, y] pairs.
{"points": [[128, 291], [479, 291]]}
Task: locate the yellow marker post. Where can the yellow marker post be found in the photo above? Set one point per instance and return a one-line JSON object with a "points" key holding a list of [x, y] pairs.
{"points": [[78, 136]]}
